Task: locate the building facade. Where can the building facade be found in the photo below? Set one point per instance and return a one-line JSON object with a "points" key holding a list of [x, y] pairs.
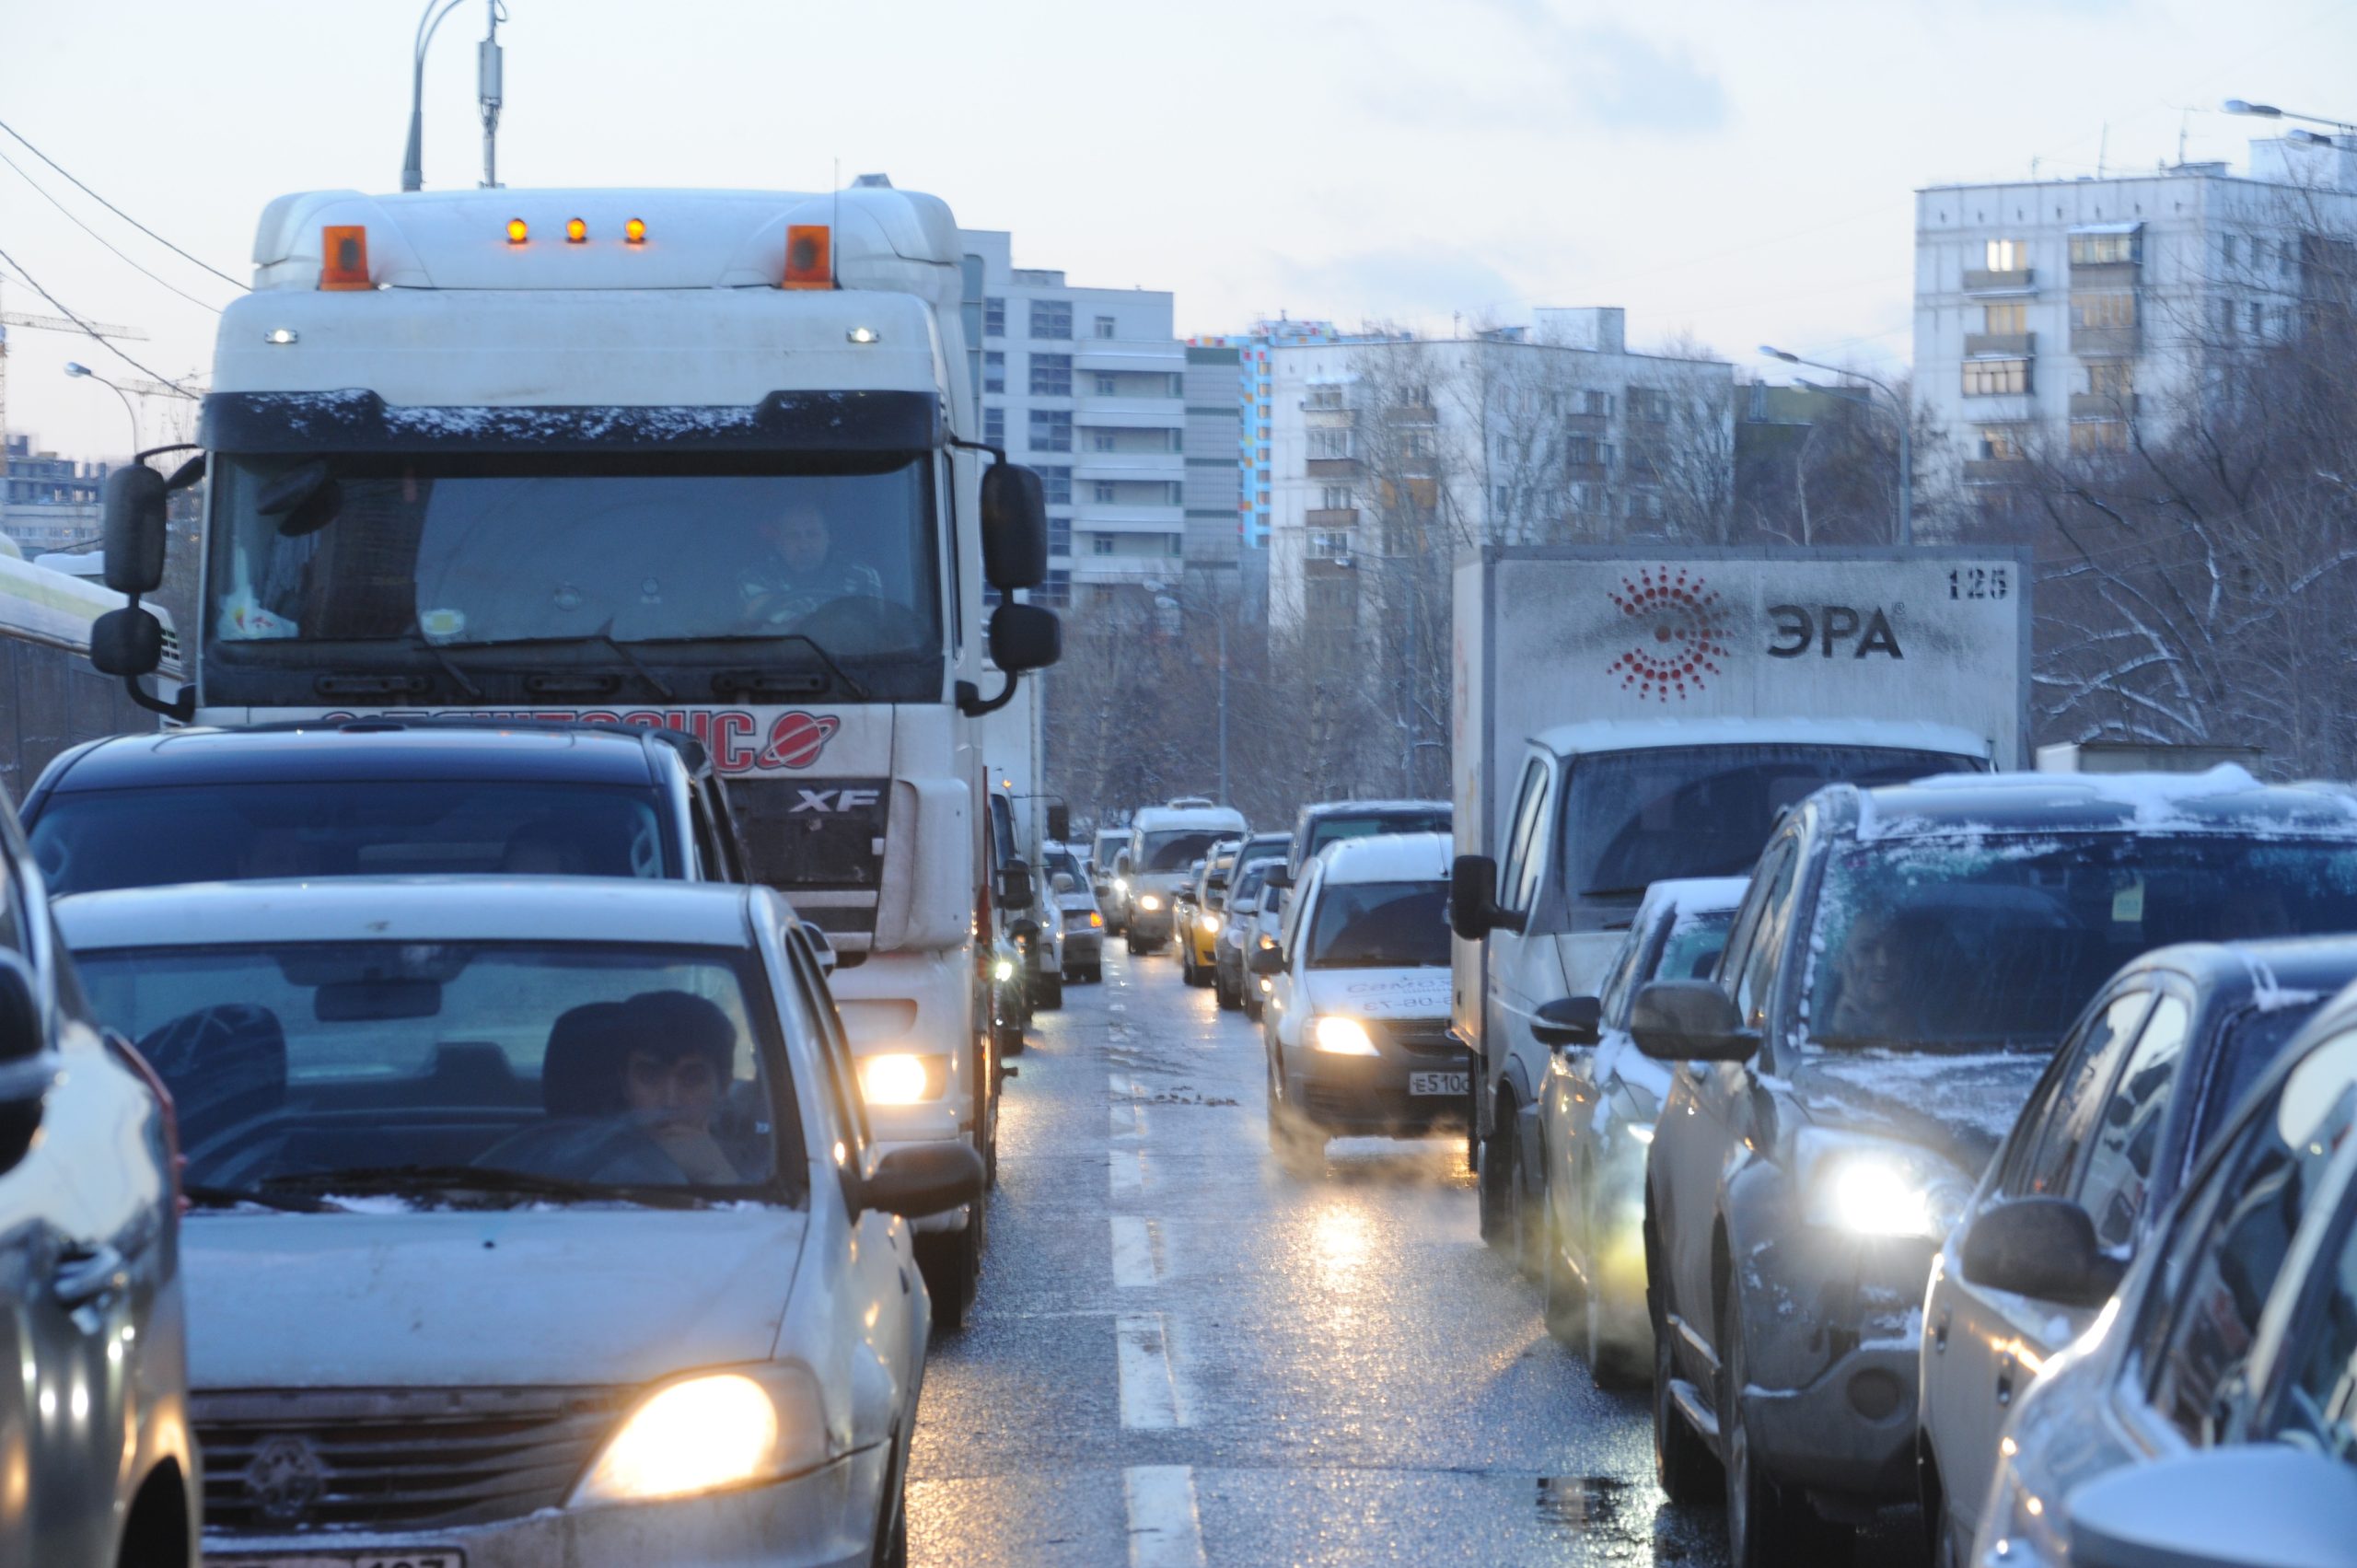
{"points": [[2058, 315], [48, 502]]}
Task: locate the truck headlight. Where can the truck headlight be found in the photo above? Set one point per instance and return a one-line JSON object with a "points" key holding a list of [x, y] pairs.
{"points": [[703, 1433], [1004, 969], [1339, 1035], [1148, 903], [901, 1077], [1874, 1187]]}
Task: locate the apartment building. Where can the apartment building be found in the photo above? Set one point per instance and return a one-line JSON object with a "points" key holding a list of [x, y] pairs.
{"points": [[1389, 456], [2056, 315], [1089, 386], [48, 502]]}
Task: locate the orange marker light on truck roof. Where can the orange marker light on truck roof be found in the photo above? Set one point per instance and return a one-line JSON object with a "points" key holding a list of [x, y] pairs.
{"points": [[343, 256], [575, 231], [518, 231], [634, 231], [809, 256]]}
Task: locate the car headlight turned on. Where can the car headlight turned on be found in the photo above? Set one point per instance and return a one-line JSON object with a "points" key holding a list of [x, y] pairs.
{"points": [[1120, 884], [712, 1432], [901, 1077], [1209, 924], [1876, 1187], [1148, 903], [1337, 1036], [1004, 969]]}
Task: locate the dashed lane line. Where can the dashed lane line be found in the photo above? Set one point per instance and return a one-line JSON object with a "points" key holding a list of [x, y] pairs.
{"points": [[1149, 1397], [1165, 1531], [1137, 1253]]}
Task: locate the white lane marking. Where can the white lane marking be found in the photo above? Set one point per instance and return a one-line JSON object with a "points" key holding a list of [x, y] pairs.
{"points": [[1125, 1172], [1137, 1251], [1127, 1119], [1149, 1397], [1165, 1531]]}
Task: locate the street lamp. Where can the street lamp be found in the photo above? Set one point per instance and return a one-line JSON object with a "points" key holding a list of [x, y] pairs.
{"points": [[1901, 412], [2268, 112], [413, 164], [83, 372]]}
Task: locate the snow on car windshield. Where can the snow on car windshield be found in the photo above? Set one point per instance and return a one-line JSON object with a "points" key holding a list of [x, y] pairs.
{"points": [[427, 1069], [1961, 943]]}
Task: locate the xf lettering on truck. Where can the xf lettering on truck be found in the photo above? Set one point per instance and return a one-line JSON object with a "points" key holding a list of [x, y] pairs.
{"points": [[1800, 628], [835, 800]]}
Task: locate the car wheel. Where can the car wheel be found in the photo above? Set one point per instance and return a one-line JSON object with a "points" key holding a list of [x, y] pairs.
{"points": [[1130, 941], [1096, 974], [1561, 1295], [1768, 1525], [951, 1261], [1300, 1148], [1683, 1462], [1050, 993]]}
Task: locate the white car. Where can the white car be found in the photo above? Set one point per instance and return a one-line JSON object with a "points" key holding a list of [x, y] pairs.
{"points": [[535, 1222], [1356, 1024]]}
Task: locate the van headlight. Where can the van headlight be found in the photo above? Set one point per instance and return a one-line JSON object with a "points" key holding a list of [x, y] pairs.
{"points": [[707, 1433], [1148, 903], [901, 1077], [1877, 1187], [1209, 924], [1339, 1035]]}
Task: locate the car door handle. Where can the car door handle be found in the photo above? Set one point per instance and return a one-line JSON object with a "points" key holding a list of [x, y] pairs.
{"points": [[1940, 1333], [87, 1273]]}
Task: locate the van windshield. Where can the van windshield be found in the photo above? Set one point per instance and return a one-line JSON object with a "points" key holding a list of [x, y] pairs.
{"points": [[1631, 819], [1390, 925], [1176, 849], [1334, 830]]}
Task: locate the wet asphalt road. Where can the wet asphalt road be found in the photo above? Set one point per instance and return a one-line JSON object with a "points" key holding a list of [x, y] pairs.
{"points": [[1183, 1356]]}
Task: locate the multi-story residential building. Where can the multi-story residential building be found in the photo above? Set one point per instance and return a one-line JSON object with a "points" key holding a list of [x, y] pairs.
{"points": [[2054, 314], [1255, 392], [1089, 386], [1214, 486], [48, 502], [1390, 456]]}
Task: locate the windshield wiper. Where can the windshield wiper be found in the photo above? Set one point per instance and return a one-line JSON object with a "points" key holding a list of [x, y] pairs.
{"points": [[407, 1179], [604, 634], [450, 667], [213, 1197], [729, 680]]}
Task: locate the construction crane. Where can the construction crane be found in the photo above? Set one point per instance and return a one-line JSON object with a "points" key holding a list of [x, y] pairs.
{"points": [[47, 324]]}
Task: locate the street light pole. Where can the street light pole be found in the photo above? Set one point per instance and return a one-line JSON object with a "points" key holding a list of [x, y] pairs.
{"points": [[414, 162], [1899, 411], [2268, 112], [83, 372]]}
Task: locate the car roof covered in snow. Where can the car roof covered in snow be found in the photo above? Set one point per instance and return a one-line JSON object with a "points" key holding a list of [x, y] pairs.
{"points": [[1689, 895], [2223, 799], [1389, 858]]}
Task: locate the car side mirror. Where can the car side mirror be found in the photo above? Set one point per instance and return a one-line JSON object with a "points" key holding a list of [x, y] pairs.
{"points": [[27, 1065], [1015, 888], [1281, 877], [1015, 528], [917, 1179], [1569, 1020], [1266, 960], [1690, 1020], [822, 946], [128, 642], [132, 521], [1025, 637], [2042, 1247], [2247, 1505], [1473, 911]]}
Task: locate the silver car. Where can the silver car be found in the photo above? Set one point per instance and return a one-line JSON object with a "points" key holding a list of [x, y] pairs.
{"points": [[538, 1222], [96, 1464], [2234, 1324]]}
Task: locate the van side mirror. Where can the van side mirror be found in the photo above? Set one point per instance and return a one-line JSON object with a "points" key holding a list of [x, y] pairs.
{"points": [[1015, 889], [1569, 1020], [128, 642], [917, 1179], [1473, 911], [2045, 1248], [133, 524], [1690, 1020], [1015, 528], [1270, 960], [1024, 637]]}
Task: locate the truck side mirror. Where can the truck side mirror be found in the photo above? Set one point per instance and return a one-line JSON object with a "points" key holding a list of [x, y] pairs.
{"points": [[127, 642], [1014, 529], [2045, 1248], [1023, 637], [1690, 1020], [1270, 960], [1569, 1020], [1473, 911], [1014, 890], [133, 522], [1060, 822]]}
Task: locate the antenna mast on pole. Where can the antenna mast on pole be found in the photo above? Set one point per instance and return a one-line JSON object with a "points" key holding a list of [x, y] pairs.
{"points": [[489, 59]]}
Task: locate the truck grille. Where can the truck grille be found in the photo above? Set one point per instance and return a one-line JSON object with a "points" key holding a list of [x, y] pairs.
{"points": [[279, 1463], [820, 842]]}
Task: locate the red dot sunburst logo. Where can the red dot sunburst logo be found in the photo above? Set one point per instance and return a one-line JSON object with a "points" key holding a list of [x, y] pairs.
{"points": [[1681, 634], [796, 738]]}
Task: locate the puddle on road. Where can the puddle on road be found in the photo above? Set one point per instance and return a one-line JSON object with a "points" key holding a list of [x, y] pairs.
{"points": [[1625, 1519]]}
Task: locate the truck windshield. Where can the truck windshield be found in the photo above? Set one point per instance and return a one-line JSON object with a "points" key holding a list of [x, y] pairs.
{"points": [[1631, 819], [467, 550], [1386, 925], [1177, 849], [1991, 941]]}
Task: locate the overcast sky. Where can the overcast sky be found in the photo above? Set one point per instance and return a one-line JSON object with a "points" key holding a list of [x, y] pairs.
{"points": [[1737, 171]]}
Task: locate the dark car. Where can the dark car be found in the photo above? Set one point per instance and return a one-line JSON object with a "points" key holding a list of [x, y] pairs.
{"points": [[1906, 962], [382, 797], [2157, 1063], [1331, 822]]}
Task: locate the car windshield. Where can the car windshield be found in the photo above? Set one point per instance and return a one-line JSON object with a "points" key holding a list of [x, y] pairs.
{"points": [[87, 841], [1691, 949], [1380, 925], [1245, 893], [1060, 860], [457, 550], [1632, 818], [2248, 1044], [1991, 941], [1334, 830], [438, 1071], [1176, 849]]}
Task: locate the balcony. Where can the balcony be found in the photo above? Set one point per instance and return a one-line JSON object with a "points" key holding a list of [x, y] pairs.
{"points": [[2106, 342], [1113, 354], [2103, 405], [2106, 275], [1586, 424], [2000, 346], [1586, 473], [1330, 516], [1126, 464], [1122, 409], [1125, 519], [1995, 471], [1412, 414], [1981, 280], [1333, 468]]}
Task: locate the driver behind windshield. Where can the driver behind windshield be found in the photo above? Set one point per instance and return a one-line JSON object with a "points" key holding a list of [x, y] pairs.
{"points": [[1880, 992], [801, 572], [674, 1069]]}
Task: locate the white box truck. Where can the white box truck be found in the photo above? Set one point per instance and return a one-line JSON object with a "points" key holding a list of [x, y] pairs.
{"points": [[1621, 717], [704, 459]]}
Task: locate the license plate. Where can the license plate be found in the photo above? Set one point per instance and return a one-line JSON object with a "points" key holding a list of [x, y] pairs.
{"points": [[423, 1557], [1437, 1082]]}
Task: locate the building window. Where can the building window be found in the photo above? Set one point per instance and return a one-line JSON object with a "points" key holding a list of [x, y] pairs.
{"points": [[2105, 250], [1060, 536], [993, 318], [994, 427], [1594, 402], [2258, 322], [1051, 430], [1327, 445], [1051, 375], [1104, 326], [1648, 403], [1995, 377], [1107, 384], [2111, 377], [995, 372], [1579, 451], [2007, 320], [1051, 319], [2227, 241], [2099, 435], [2000, 443], [1105, 493], [1057, 481], [1330, 544], [1175, 545], [1327, 396], [2227, 319], [1101, 441], [2007, 256], [1100, 544], [1335, 498], [2113, 308]]}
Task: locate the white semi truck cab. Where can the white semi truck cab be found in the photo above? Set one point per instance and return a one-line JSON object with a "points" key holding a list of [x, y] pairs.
{"points": [[702, 459]]}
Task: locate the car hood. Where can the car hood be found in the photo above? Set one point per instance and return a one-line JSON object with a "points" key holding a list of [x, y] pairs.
{"points": [[1963, 1103], [553, 1295], [1380, 994]]}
